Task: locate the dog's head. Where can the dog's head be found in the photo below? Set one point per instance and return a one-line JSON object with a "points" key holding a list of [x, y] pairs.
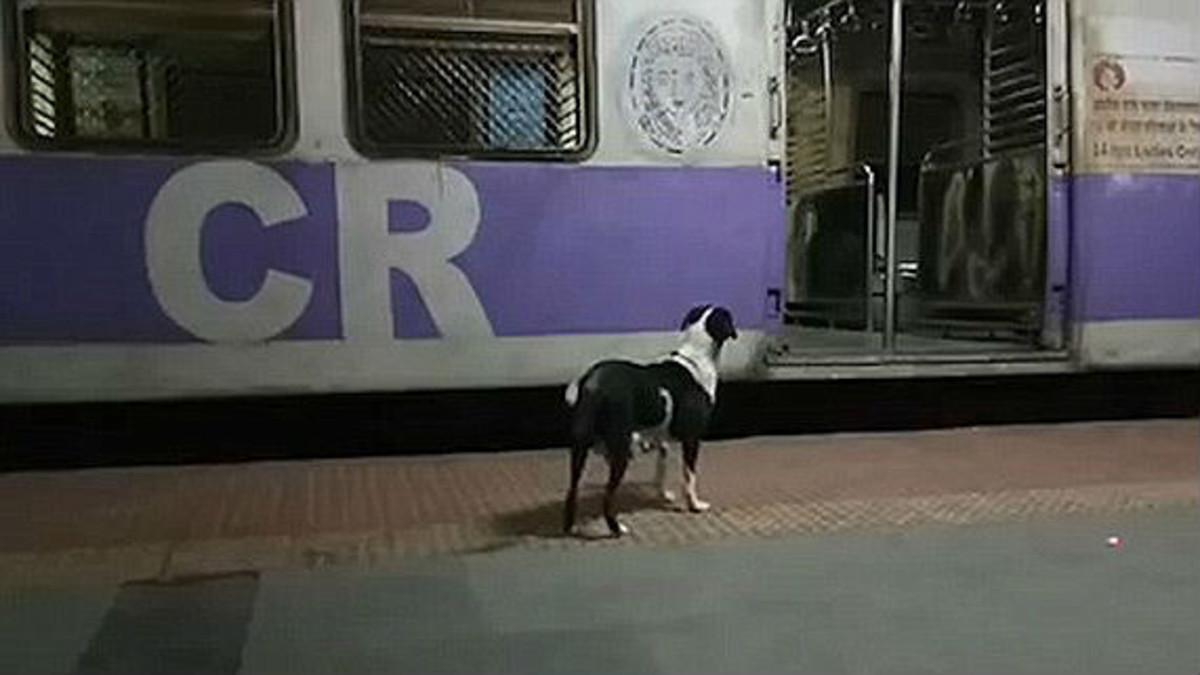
{"points": [[709, 322]]}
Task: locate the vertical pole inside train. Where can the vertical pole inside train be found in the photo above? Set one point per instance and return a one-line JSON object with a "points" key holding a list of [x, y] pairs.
{"points": [[895, 73]]}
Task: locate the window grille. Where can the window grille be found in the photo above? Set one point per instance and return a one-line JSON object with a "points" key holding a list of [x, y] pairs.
{"points": [[150, 73], [807, 125], [471, 78]]}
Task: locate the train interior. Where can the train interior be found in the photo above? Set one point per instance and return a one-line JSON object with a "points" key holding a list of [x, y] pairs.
{"points": [[967, 265]]}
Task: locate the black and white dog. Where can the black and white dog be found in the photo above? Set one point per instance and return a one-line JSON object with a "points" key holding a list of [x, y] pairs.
{"points": [[618, 404]]}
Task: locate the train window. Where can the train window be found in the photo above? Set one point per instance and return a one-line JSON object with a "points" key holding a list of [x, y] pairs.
{"points": [[163, 75], [481, 78]]}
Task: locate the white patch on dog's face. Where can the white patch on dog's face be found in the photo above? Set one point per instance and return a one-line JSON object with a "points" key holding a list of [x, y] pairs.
{"points": [[697, 351], [696, 332], [708, 327], [694, 322]]}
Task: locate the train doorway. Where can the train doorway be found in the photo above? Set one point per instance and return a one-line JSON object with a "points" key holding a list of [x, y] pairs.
{"points": [[919, 180]]}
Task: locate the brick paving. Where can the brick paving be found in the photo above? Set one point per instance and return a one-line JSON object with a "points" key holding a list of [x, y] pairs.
{"points": [[123, 524]]}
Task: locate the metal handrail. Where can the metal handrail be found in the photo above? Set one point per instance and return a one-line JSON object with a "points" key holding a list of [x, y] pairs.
{"points": [[927, 163], [854, 173], [849, 174]]}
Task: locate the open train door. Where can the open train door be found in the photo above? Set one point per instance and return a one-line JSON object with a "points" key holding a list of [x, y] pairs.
{"points": [[927, 151]]}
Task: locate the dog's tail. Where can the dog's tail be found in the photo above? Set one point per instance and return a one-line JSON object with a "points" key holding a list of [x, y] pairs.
{"points": [[572, 393], [581, 396], [582, 385]]}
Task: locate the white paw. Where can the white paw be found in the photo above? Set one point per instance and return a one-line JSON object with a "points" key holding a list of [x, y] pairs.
{"points": [[697, 505], [623, 528], [668, 496]]}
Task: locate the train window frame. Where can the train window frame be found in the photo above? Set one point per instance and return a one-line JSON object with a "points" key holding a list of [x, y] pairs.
{"points": [[585, 80], [20, 121]]}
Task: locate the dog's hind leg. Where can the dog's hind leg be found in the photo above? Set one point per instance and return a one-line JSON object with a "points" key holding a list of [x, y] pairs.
{"points": [[579, 453], [660, 473], [618, 461]]}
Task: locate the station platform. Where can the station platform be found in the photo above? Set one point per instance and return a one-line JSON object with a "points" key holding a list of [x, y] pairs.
{"points": [[117, 525]]}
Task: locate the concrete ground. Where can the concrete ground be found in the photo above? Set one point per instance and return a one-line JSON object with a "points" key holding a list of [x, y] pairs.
{"points": [[961, 551], [1049, 596]]}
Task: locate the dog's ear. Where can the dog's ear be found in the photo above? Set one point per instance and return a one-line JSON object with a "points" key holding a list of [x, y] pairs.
{"points": [[693, 316], [720, 325]]}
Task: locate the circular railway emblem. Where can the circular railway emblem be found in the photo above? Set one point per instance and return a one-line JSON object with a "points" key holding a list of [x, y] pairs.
{"points": [[1109, 75], [679, 85]]}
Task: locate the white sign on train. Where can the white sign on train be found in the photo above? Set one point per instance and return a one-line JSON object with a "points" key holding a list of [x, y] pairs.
{"points": [[1142, 104]]}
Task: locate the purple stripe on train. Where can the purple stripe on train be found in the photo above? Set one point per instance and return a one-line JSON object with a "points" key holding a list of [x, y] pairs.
{"points": [[559, 249], [73, 257], [1136, 248], [608, 250]]}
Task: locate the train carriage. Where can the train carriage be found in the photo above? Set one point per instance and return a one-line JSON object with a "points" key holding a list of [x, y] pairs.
{"points": [[257, 197]]}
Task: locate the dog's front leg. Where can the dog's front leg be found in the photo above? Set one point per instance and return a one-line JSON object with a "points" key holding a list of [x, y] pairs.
{"points": [[660, 473], [691, 452]]}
